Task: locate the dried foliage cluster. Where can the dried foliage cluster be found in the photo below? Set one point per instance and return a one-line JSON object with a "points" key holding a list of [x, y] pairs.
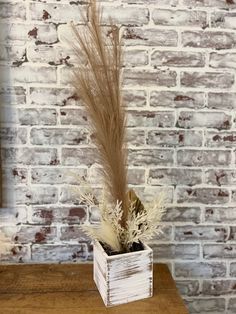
{"points": [[141, 225], [97, 82]]}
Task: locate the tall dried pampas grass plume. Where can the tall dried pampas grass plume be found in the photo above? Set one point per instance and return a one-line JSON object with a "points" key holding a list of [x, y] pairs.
{"points": [[97, 81]]}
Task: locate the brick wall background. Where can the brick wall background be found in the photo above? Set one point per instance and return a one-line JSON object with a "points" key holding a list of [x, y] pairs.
{"points": [[179, 83]]}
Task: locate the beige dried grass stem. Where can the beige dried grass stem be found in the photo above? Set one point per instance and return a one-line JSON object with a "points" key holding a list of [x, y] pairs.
{"points": [[97, 81]]}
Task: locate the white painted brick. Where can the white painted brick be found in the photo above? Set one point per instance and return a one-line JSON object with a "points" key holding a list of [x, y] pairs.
{"points": [[125, 15], [13, 54], [8, 115], [177, 99], [30, 156], [13, 96], [232, 306], [218, 287], [179, 18], [135, 98], [62, 252], [201, 233], [58, 136], [207, 305], [13, 215], [37, 116], [172, 251], [15, 11], [149, 78], [182, 214], [207, 79], [206, 39], [136, 137], [48, 214], [188, 287], [145, 118], [221, 4], [174, 176], [134, 58], [147, 2], [220, 176], [35, 234], [209, 119], [176, 138], [12, 135], [14, 175], [177, 59], [151, 157], [222, 214], [223, 20], [46, 96], [200, 269], [28, 74], [223, 60], [202, 158], [18, 33], [15, 253], [219, 251], [202, 195], [221, 139], [150, 37], [35, 195], [78, 156], [57, 12], [50, 54], [226, 101], [57, 176]]}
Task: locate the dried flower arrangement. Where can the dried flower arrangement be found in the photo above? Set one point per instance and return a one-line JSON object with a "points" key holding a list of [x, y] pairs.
{"points": [[125, 221]]}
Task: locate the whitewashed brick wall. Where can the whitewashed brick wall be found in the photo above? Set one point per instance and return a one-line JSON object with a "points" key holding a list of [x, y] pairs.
{"points": [[180, 90]]}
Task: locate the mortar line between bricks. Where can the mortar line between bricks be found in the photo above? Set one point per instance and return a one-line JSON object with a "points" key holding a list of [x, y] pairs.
{"points": [[202, 221], [138, 47], [210, 297], [199, 242], [207, 60], [233, 161], [130, 128], [27, 9], [180, 5], [178, 69], [125, 25], [164, 224], [137, 87], [144, 26], [156, 109]]}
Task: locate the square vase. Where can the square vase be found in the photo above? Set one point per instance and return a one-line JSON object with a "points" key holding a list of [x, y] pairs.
{"points": [[124, 277]]}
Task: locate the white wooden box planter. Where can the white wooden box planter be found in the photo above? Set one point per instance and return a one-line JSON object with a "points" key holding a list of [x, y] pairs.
{"points": [[124, 277]]}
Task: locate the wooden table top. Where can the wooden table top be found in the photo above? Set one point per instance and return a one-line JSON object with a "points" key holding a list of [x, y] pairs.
{"points": [[69, 289]]}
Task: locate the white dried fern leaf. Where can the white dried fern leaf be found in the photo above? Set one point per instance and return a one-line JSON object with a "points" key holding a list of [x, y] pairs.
{"points": [[143, 226]]}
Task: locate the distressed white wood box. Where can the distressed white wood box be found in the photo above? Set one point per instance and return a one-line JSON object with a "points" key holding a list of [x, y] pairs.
{"points": [[124, 277]]}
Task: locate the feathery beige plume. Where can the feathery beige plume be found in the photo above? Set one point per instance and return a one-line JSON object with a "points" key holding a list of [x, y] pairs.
{"points": [[97, 81]]}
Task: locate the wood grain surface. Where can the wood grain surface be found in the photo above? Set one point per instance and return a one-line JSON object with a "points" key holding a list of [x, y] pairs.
{"points": [[69, 288]]}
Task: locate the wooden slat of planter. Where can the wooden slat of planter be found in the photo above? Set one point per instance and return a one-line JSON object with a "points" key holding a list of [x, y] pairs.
{"points": [[68, 289]]}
